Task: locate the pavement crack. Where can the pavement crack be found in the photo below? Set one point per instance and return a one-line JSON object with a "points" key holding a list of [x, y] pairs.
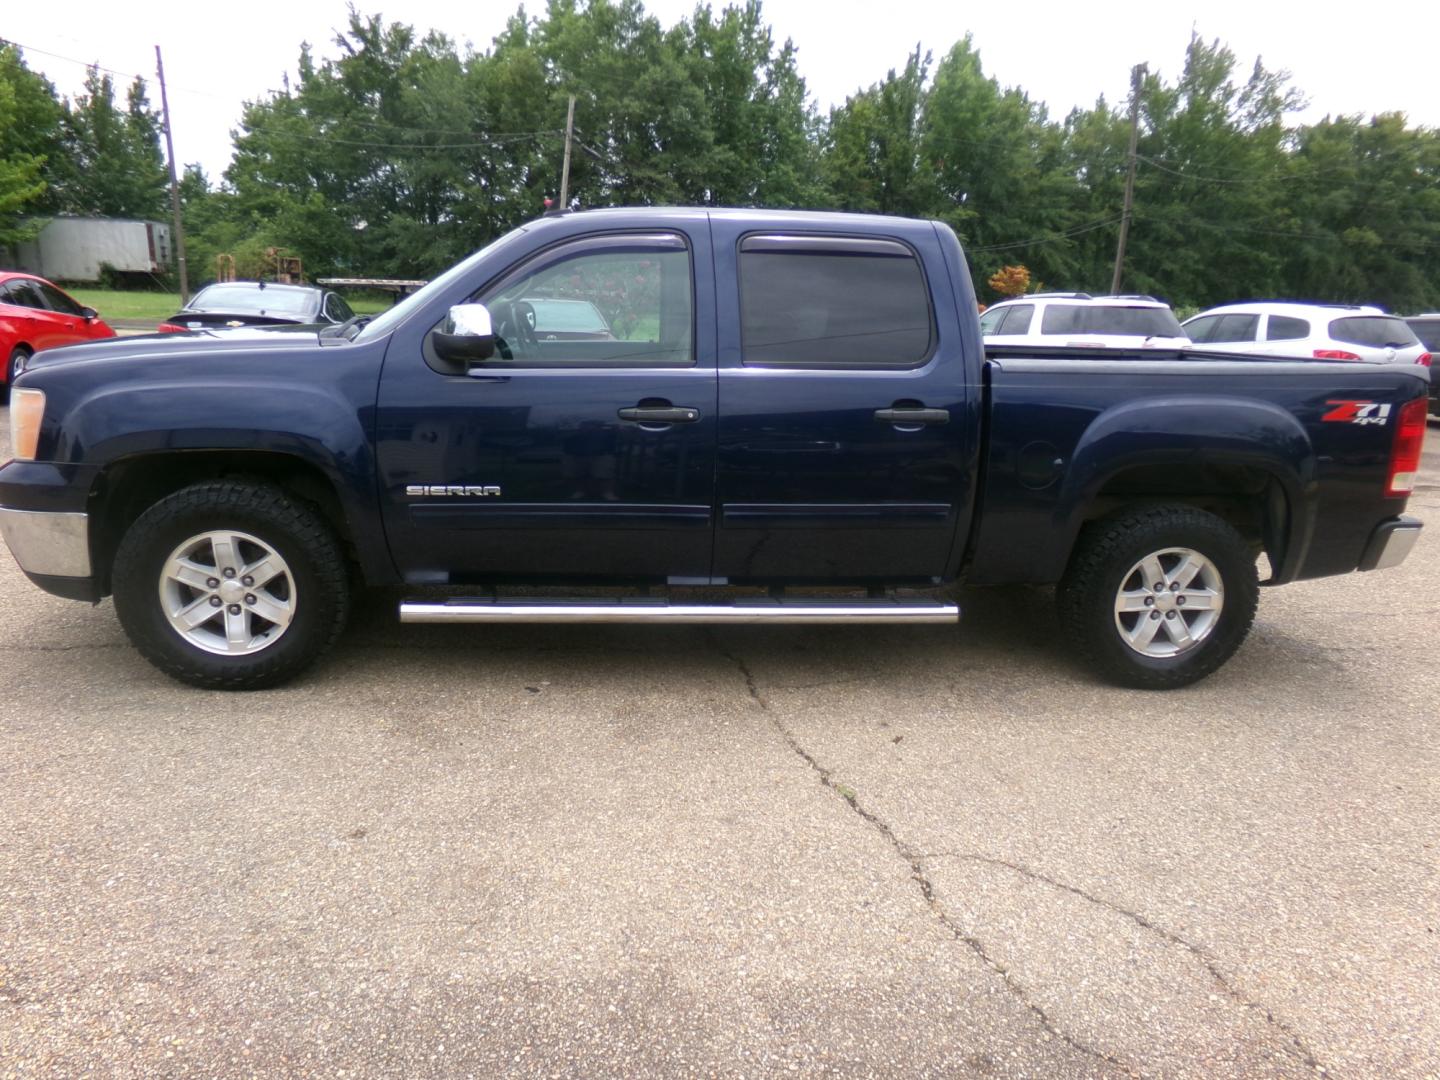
{"points": [[1200, 953], [917, 869]]}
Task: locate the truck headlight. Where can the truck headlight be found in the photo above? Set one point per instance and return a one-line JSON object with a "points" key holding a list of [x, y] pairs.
{"points": [[27, 409]]}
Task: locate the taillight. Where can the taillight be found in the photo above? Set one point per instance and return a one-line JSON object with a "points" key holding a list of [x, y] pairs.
{"points": [[1423, 359], [1405, 454], [171, 328], [1334, 354]]}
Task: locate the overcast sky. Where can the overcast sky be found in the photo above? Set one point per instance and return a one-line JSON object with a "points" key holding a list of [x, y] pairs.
{"points": [[1064, 54]]}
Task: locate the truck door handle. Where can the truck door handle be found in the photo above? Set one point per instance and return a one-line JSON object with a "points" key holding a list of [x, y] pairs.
{"points": [[660, 414], [913, 416]]}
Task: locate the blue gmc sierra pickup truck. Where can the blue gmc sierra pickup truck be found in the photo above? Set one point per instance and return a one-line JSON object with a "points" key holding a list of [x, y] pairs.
{"points": [[721, 416]]}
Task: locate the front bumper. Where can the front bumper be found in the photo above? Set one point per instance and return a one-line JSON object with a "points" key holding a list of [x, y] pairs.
{"points": [[1390, 543], [47, 543]]}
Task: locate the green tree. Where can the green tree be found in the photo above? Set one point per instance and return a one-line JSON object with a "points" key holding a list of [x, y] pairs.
{"points": [[30, 143], [1000, 177], [873, 158], [1364, 213], [114, 166]]}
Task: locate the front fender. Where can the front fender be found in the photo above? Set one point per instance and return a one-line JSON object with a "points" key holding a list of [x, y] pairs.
{"points": [[316, 424]]}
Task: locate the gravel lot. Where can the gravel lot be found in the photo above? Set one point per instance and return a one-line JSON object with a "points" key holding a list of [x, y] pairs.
{"points": [[630, 851]]}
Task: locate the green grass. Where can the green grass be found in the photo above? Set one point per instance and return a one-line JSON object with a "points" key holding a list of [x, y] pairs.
{"points": [[112, 304], [368, 303], [154, 306]]}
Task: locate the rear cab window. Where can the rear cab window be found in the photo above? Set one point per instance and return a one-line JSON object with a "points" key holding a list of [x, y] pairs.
{"points": [[833, 302]]}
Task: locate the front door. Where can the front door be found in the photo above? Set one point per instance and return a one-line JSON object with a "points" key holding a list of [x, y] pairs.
{"points": [[585, 448]]}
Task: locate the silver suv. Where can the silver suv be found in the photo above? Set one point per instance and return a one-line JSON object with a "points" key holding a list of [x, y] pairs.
{"points": [[1079, 319]]}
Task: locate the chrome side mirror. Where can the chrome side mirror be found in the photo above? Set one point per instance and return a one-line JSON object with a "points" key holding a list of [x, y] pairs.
{"points": [[466, 336]]}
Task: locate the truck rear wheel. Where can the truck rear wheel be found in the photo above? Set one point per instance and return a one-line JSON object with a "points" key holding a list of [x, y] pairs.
{"points": [[1159, 597], [231, 585]]}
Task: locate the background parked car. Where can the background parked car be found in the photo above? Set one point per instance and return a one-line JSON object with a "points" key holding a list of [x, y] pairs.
{"points": [[1318, 331], [36, 315], [1427, 329], [567, 320], [1079, 319], [258, 303]]}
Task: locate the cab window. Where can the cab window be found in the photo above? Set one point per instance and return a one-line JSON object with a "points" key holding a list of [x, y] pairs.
{"points": [[612, 301], [833, 302]]}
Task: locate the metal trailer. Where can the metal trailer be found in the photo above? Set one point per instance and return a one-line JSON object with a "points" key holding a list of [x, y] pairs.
{"points": [[76, 249]]}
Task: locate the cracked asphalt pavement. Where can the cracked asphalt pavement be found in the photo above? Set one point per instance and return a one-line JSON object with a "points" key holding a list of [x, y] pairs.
{"points": [[629, 851]]}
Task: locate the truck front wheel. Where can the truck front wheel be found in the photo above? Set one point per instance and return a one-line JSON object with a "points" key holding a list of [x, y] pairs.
{"points": [[231, 585], [1159, 597]]}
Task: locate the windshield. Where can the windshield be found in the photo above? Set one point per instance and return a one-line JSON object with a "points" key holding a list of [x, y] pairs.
{"points": [[252, 298], [390, 318], [1110, 319], [575, 316]]}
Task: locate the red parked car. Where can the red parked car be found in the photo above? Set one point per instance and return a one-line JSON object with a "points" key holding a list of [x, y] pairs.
{"points": [[35, 315]]}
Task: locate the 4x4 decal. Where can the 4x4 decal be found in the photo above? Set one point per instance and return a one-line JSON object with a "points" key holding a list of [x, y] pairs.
{"points": [[1357, 412]]}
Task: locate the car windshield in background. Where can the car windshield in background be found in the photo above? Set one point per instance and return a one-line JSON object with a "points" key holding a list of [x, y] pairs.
{"points": [[573, 316], [1106, 319], [241, 298], [1375, 331]]}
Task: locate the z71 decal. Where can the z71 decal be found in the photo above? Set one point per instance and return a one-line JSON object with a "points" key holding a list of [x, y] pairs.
{"points": [[1357, 412]]}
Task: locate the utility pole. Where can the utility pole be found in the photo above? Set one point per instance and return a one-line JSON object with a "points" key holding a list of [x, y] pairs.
{"points": [[565, 170], [179, 225], [1136, 74]]}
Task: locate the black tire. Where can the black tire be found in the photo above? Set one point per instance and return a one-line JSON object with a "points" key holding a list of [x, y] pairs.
{"points": [[293, 530], [18, 356], [1101, 564]]}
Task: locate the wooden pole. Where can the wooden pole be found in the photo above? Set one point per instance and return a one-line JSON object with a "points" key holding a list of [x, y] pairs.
{"points": [[179, 224], [1136, 74], [565, 170]]}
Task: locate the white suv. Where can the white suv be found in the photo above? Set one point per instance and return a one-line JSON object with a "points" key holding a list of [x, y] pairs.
{"points": [[1079, 319], [1313, 331]]}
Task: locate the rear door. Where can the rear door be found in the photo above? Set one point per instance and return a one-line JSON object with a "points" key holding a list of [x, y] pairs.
{"points": [[844, 435], [564, 457]]}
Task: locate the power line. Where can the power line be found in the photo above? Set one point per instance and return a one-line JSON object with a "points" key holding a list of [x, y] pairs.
{"points": [[481, 139], [87, 64], [1052, 238], [1261, 230]]}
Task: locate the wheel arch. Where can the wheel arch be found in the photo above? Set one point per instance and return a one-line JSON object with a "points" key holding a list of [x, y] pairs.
{"points": [[1246, 461], [125, 488]]}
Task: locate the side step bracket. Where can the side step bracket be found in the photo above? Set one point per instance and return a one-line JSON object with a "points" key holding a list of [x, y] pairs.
{"points": [[659, 610]]}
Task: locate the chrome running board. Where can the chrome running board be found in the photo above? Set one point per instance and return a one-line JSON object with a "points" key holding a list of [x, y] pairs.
{"points": [[646, 610]]}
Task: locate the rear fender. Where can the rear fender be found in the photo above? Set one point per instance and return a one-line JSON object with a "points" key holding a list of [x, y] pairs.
{"points": [[1193, 431]]}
